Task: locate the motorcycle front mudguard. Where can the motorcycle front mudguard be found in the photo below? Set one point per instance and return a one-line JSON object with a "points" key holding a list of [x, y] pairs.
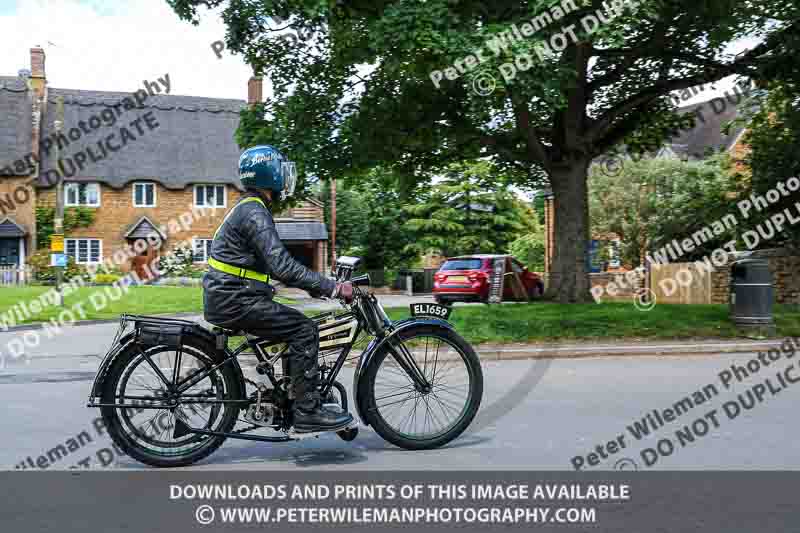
{"points": [[375, 345]]}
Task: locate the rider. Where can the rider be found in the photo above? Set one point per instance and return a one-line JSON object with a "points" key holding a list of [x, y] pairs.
{"points": [[246, 254]]}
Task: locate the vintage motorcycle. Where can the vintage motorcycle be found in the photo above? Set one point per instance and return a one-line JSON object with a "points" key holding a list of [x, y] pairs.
{"points": [[171, 391]]}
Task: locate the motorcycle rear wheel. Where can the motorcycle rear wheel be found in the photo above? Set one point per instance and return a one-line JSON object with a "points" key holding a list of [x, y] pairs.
{"points": [[147, 434]]}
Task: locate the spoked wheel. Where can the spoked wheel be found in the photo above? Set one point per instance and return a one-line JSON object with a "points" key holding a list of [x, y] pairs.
{"points": [[418, 418], [146, 432]]}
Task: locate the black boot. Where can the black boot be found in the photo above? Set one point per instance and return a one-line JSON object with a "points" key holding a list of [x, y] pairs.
{"points": [[309, 415], [320, 419]]}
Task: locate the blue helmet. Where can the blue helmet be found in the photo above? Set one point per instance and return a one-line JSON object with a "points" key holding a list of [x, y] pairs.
{"points": [[264, 167]]}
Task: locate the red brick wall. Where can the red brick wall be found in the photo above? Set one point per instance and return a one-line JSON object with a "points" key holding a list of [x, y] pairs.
{"points": [[117, 214]]}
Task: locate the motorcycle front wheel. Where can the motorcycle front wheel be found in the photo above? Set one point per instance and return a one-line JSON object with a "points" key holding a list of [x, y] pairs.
{"points": [[416, 419]]}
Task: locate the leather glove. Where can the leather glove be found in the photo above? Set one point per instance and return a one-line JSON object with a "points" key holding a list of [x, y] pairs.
{"points": [[344, 291], [315, 294]]}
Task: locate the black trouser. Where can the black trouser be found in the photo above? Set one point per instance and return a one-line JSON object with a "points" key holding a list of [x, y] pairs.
{"points": [[278, 322]]}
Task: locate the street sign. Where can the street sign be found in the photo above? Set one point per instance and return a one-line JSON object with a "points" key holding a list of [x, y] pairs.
{"points": [[57, 242], [58, 260]]}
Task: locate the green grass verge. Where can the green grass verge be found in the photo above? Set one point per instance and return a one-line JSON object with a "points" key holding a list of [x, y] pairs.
{"points": [[542, 322], [145, 300], [536, 322]]}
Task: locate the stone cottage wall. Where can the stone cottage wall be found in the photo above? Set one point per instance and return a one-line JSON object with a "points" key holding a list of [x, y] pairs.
{"points": [[785, 267]]}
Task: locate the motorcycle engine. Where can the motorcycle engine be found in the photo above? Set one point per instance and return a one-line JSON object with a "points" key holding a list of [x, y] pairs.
{"points": [[262, 411]]}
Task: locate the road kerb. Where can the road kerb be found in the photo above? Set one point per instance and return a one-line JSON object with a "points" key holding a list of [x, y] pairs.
{"points": [[501, 353]]}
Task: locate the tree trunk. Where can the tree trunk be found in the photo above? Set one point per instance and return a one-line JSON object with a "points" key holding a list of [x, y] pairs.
{"points": [[569, 275]]}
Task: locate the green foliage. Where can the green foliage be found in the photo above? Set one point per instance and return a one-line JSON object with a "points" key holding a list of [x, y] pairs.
{"points": [[653, 201], [74, 217], [468, 211], [529, 249], [351, 217], [369, 218], [774, 157], [43, 272], [360, 93]]}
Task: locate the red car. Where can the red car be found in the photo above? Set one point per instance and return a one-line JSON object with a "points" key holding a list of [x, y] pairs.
{"points": [[466, 279]]}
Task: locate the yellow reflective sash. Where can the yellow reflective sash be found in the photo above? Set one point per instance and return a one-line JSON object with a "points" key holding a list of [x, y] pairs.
{"points": [[233, 269]]}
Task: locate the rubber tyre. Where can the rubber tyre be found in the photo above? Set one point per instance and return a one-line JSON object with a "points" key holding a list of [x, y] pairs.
{"points": [[121, 438], [373, 417]]}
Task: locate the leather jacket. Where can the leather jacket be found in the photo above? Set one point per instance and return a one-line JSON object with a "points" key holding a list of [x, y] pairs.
{"points": [[248, 238]]}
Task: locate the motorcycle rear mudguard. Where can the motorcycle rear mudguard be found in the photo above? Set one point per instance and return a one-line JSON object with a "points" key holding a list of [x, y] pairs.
{"points": [[131, 337], [105, 364], [375, 345]]}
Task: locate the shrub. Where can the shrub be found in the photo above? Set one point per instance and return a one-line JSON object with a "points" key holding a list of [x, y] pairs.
{"points": [[529, 249], [42, 271], [106, 279], [178, 262]]}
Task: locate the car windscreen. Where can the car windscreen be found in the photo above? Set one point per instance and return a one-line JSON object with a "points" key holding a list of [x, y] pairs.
{"points": [[461, 264]]}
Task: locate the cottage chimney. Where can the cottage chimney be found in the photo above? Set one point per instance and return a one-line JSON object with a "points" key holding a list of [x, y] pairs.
{"points": [[37, 62], [255, 91]]}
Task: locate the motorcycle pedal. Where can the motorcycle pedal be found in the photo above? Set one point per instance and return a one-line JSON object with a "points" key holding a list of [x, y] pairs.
{"points": [[300, 435]]}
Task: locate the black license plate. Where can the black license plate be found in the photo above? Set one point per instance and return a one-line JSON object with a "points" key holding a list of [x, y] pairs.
{"points": [[434, 310]]}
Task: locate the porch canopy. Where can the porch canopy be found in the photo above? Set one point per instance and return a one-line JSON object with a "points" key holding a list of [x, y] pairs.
{"points": [[9, 228]]}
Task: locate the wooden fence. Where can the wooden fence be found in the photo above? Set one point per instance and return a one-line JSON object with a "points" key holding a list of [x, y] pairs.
{"points": [[680, 283]]}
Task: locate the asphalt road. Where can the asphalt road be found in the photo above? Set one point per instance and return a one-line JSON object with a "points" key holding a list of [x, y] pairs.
{"points": [[535, 415]]}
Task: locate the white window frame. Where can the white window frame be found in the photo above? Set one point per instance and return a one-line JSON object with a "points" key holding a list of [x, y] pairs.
{"points": [[206, 249], [217, 187], [144, 194], [75, 185], [89, 240]]}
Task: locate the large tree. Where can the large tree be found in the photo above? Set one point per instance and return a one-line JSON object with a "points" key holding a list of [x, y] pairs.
{"points": [[356, 89]]}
